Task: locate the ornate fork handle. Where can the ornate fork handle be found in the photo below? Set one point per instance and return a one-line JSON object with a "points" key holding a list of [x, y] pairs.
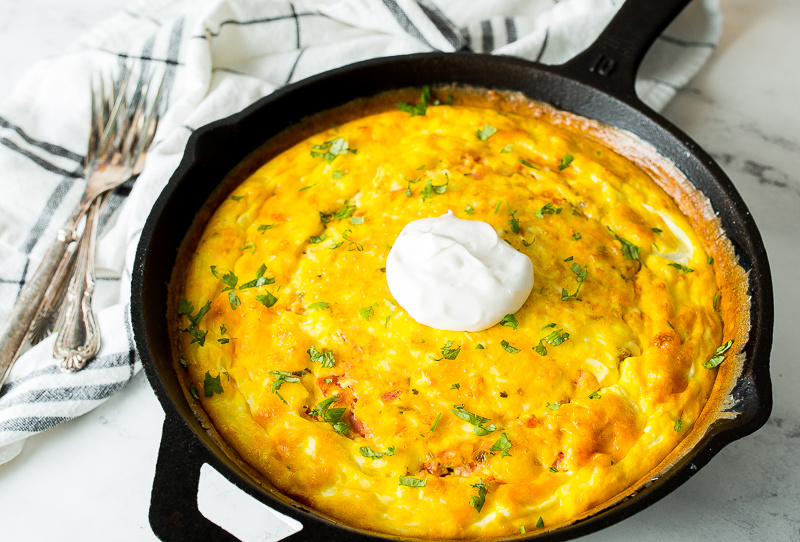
{"points": [[78, 338], [33, 294]]}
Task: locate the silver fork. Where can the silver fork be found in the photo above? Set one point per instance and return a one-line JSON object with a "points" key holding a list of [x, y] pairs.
{"points": [[122, 130]]}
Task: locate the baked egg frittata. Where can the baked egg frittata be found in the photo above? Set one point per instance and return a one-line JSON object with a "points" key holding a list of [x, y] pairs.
{"points": [[319, 380]]}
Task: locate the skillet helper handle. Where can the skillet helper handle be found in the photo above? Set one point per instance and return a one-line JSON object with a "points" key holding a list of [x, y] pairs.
{"points": [[174, 510], [174, 515], [611, 62]]}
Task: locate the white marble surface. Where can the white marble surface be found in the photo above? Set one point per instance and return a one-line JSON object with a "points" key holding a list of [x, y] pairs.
{"points": [[90, 479]]}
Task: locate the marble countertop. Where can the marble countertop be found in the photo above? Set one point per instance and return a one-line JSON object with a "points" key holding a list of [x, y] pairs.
{"points": [[90, 479]]}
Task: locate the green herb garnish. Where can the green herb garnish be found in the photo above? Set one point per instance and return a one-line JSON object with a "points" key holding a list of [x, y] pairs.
{"points": [[477, 501], [212, 384], [502, 444], [486, 132], [565, 162], [325, 357], [718, 357], [509, 320], [412, 482], [508, 348]]}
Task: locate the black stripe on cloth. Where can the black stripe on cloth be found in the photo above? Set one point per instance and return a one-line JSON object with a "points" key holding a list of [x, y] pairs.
{"points": [[21, 281], [405, 23], [511, 30], [109, 361], [41, 162], [60, 395], [294, 66], [126, 56], [32, 424], [544, 45], [682, 43], [50, 206], [49, 147], [296, 26], [173, 53], [294, 15], [487, 36], [443, 25]]}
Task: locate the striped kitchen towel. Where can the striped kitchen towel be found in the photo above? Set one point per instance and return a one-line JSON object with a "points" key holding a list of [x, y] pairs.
{"points": [[219, 57]]}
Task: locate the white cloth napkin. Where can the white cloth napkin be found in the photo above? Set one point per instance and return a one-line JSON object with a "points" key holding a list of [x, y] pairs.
{"points": [[220, 56]]}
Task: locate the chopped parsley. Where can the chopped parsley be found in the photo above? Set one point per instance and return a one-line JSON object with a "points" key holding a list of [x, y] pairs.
{"points": [[214, 271], [431, 189], [502, 445], [565, 162], [678, 425], [280, 377], [436, 422], [455, 386], [230, 280], [260, 279], [556, 338], [554, 406], [507, 148], [526, 163], [351, 245], [193, 391], [629, 250], [183, 361], [547, 209], [264, 227], [718, 356], [540, 523], [315, 239], [421, 108], [681, 267], [486, 132], [332, 148], [710, 260], [356, 220], [656, 230], [581, 274], [508, 348], [513, 222], [367, 312], [307, 187], [212, 384], [469, 209], [477, 501], [576, 236], [412, 482], [318, 306], [236, 198], [366, 451], [479, 346], [714, 303], [325, 357], [448, 352], [509, 320], [332, 416], [267, 299], [338, 174], [473, 419], [595, 395]]}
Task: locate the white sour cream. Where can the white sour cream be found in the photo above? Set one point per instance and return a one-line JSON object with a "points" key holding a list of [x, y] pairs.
{"points": [[457, 275]]}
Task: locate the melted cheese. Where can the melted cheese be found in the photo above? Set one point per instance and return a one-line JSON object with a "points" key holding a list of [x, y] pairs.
{"points": [[586, 413]]}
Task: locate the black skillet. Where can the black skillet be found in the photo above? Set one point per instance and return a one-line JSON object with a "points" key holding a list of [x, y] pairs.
{"points": [[598, 83]]}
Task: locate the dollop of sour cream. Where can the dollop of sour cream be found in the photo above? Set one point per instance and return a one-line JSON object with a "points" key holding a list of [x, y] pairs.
{"points": [[457, 275]]}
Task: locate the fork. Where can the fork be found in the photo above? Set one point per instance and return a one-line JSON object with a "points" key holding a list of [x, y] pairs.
{"points": [[122, 130]]}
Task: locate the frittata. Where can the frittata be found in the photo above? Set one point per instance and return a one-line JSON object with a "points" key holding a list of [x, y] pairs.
{"points": [[289, 337]]}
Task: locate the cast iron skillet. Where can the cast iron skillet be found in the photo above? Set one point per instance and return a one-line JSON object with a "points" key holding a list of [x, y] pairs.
{"points": [[598, 83]]}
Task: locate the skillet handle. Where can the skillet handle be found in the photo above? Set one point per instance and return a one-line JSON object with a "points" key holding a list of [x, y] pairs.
{"points": [[611, 62], [174, 515]]}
